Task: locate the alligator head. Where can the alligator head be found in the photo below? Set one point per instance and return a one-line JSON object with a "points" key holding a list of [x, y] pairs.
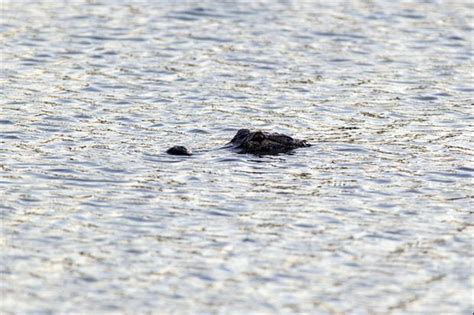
{"points": [[261, 143], [254, 142]]}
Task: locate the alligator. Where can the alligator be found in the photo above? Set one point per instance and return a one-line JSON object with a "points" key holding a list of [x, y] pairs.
{"points": [[254, 142]]}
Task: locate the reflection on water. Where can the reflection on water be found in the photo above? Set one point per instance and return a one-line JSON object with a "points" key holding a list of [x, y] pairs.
{"points": [[375, 217]]}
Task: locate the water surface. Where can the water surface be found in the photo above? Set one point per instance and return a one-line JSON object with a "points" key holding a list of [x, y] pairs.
{"points": [[374, 218]]}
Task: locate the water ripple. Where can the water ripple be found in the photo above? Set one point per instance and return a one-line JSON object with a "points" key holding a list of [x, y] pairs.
{"points": [[374, 217]]}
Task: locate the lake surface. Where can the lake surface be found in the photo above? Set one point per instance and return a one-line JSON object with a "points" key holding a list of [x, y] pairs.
{"points": [[374, 218]]}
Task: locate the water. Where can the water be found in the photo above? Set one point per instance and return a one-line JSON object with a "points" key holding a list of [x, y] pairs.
{"points": [[374, 218]]}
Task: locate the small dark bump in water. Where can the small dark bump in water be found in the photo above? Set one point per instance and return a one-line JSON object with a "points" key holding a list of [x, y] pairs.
{"points": [[179, 150]]}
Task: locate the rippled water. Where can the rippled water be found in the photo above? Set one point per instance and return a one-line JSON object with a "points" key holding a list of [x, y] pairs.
{"points": [[374, 218]]}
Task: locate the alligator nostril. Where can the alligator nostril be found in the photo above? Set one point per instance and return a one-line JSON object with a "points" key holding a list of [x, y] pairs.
{"points": [[179, 150]]}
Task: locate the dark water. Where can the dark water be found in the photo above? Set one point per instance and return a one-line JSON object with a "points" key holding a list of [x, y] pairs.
{"points": [[374, 218]]}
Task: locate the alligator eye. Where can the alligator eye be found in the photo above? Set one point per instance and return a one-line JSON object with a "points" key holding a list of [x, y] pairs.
{"points": [[258, 136]]}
